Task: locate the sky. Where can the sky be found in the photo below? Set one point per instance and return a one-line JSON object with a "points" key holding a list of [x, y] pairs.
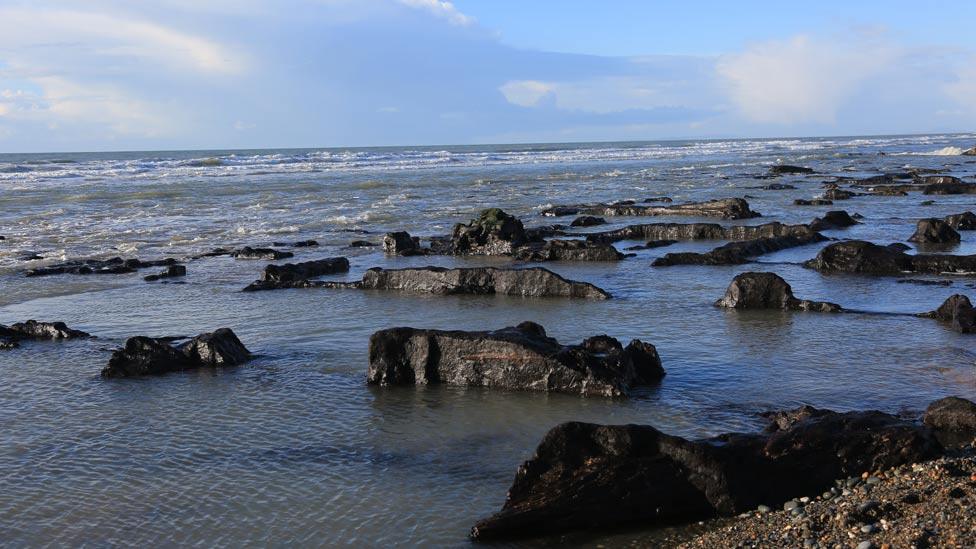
{"points": [[91, 75]]}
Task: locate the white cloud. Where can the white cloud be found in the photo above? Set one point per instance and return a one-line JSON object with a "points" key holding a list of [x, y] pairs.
{"points": [[441, 8], [802, 79], [525, 93]]}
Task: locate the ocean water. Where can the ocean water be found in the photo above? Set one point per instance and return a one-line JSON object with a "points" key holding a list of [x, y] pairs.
{"points": [[294, 449]]}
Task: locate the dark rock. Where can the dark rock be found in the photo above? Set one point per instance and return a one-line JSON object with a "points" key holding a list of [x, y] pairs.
{"points": [[969, 152], [653, 244], [172, 271], [657, 199], [361, 244], [401, 243], [538, 234], [839, 194], [30, 256], [518, 358], [836, 219], [899, 246], [562, 211], [953, 419], [934, 231], [965, 221], [568, 250], [285, 276], [777, 187], [858, 256], [737, 253], [814, 202], [927, 202], [587, 221], [494, 232], [585, 476], [945, 184], [701, 231], [248, 252], [768, 291], [958, 311], [921, 282], [300, 244], [728, 208], [35, 330], [116, 265], [786, 169], [150, 356]]}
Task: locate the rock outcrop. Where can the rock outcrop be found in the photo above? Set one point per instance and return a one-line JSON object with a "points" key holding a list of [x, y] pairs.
{"points": [[584, 475], [115, 265], [946, 184], [728, 208], [768, 291], [813, 202], [701, 231], [401, 243], [173, 271], [738, 252], [290, 275], [299, 244], [934, 231], [567, 250], [786, 169], [953, 420], [11, 336], [587, 221], [835, 219], [958, 311], [965, 221], [516, 358], [150, 356], [270, 254], [494, 232], [858, 256]]}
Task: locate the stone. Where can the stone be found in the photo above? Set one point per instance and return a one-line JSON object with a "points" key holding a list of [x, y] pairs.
{"points": [[835, 219], [701, 231], [515, 358], [813, 202], [768, 291], [401, 243], [172, 271], [493, 232], [969, 152], [248, 252], [115, 265], [858, 256], [288, 275], [587, 221], [299, 244], [150, 356], [567, 250], [11, 336], [737, 253], [786, 169], [934, 231], [958, 311], [727, 208], [965, 221], [361, 244]]}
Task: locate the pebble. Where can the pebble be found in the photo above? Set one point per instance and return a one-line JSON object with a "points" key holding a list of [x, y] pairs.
{"points": [[869, 529], [764, 509], [865, 545], [790, 505]]}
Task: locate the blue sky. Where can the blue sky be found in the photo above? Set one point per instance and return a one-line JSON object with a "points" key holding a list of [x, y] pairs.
{"points": [[178, 74]]}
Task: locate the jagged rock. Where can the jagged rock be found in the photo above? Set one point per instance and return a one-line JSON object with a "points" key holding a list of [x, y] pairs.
{"points": [[813, 202], [172, 271], [494, 232], [33, 329], [568, 250], [299, 244], [965, 221], [944, 184], [248, 252], [737, 253], [149, 356], [401, 243], [768, 291], [934, 231], [285, 276], [116, 265], [958, 311], [836, 219], [587, 221], [858, 256], [517, 358], [728, 208], [701, 231], [786, 169], [953, 420], [584, 476]]}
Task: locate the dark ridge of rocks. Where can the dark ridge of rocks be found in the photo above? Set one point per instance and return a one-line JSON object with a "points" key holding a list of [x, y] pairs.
{"points": [[786, 169], [934, 231], [10, 336], [515, 358], [587, 221], [290, 275], [299, 244], [728, 208], [899, 246], [538, 234], [953, 420], [173, 271], [768, 291], [567, 250], [858, 256], [813, 202], [30, 256], [653, 244], [839, 194], [657, 199], [922, 282], [3, 237], [927, 202], [586, 476], [270, 254], [700, 231], [958, 311], [937, 180], [775, 187], [946, 184], [835, 219], [532, 282], [361, 244], [737, 253], [965, 221], [116, 265], [151, 356], [401, 243]]}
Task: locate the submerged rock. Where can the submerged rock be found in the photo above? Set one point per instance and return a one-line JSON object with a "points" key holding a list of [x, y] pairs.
{"points": [[172, 271], [248, 252], [943, 185], [115, 265], [958, 311], [934, 231], [701, 231], [587, 221], [150, 356], [568, 250], [361, 244], [32, 329], [813, 202], [786, 169], [965, 221], [835, 219], [953, 419], [517, 358], [739, 252], [299, 244], [585, 475], [653, 244], [777, 187], [839, 194], [288, 275], [401, 243], [858, 256], [768, 291]]}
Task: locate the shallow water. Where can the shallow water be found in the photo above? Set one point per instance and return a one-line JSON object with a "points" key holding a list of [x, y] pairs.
{"points": [[294, 448]]}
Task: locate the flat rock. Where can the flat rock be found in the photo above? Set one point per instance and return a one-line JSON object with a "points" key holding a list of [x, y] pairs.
{"points": [[739, 252], [285, 276], [786, 169], [516, 358], [953, 419], [813, 202], [587, 221], [858, 256], [835, 219], [299, 244], [568, 250], [934, 231], [152, 356], [768, 291], [173, 271], [727, 208], [401, 243], [248, 252], [115, 265], [35, 330], [701, 231]]}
